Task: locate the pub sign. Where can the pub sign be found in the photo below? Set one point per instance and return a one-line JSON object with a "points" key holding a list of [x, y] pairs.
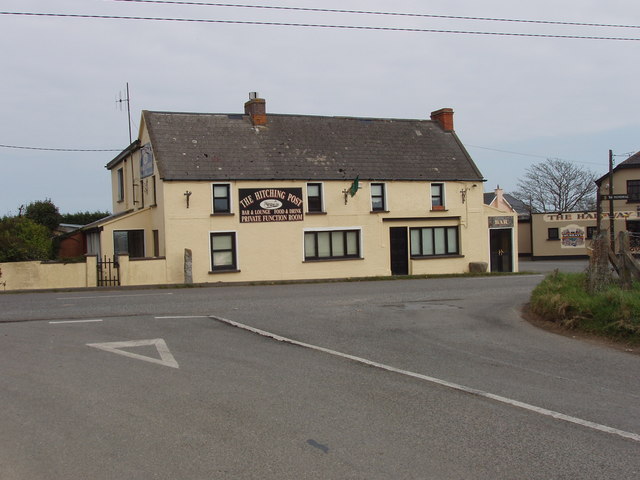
{"points": [[501, 222], [262, 205]]}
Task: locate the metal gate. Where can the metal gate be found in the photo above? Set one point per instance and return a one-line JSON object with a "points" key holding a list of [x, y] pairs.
{"points": [[108, 272]]}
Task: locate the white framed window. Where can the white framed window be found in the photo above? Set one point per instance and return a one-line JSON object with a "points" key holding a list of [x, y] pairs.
{"points": [[315, 198], [378, 197], [221, 197], [332, 244], [224, 253], [437, 196]]}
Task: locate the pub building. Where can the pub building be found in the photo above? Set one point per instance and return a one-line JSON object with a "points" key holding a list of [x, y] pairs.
{"points": [[273, 197]]}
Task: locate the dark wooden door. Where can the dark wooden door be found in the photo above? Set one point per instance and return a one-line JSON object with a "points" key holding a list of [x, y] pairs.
{"points": [[501, 250], [399, 250]]}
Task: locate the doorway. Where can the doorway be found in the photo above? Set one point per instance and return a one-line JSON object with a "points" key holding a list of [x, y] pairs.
{"points": [[398, 240], [501, 249]]}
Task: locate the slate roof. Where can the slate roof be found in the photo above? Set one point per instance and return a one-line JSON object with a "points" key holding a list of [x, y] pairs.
{"points": [[632, 162], [518, 205], [198, 146]]}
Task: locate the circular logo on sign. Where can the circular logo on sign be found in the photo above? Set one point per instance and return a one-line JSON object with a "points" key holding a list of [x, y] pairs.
{"points": [[271, 204]]}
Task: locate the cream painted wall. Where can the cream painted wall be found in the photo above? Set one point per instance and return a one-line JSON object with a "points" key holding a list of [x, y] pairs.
{"points": [[541, 222], [140, 220], [623, 210], [39, 275], [524, 238], [275, 251]]}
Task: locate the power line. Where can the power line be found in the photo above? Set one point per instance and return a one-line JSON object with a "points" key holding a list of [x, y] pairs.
{"points": [[367, 12], [63, 149], [546, 157], [312, 25]]}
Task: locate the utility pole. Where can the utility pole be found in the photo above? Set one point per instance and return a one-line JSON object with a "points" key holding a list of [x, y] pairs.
{"points": [[612, 233]]}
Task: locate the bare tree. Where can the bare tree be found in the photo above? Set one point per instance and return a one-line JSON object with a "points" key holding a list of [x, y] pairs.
{"points": [[557, 186]]}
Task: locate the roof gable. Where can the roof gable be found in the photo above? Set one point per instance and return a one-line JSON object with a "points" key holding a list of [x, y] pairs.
{"points": [[191, 146]]}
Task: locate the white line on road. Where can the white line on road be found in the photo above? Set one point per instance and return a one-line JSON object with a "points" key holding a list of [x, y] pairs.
{"points": [[166, 358], [115, 296], [76, 321], [444, 383], [181, 316]]}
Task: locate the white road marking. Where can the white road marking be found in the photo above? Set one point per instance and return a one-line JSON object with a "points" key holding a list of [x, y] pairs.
{"points": [[181, 316], [115, 296], [76, 321], [444, 383], [166, 358]]}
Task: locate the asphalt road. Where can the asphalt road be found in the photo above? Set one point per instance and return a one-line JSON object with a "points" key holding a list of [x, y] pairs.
{"points": [[419, 379]]}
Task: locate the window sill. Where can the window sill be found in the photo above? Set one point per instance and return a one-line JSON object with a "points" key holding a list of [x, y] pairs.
{"points": [[379, 211], [145, 259], [553, 239], [315, 213], [223, 214], [434, 257], [436, 209], [320, 260], [231, 270]]}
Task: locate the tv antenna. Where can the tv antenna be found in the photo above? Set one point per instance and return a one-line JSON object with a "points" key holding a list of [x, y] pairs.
{"points": [[119, 101]]}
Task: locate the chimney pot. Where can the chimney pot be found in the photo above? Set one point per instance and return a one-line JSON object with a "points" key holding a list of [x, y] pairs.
{"points": [[444, 118]]}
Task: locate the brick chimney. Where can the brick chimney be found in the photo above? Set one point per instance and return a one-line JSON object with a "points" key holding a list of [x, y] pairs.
{"points": [[444, 118], [256, 108]]}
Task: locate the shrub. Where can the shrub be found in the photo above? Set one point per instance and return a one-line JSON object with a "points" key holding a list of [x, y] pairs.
{"points": [[22, 239]]}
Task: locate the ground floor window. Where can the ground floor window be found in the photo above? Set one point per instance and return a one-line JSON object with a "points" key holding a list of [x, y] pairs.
{"points": [[129, 242], [93, 243], [334, 244], [223, 251], [432, 241]]}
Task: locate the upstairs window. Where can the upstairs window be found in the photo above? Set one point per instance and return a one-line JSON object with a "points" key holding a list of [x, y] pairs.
{"points": [[633, 190], [221, 198], [591, 232], [553, 234], [120, 179], [378, 200], [314, 197], [437, 196]]}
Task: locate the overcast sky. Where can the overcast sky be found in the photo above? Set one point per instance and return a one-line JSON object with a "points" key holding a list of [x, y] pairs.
{"points": [[517, 99]]}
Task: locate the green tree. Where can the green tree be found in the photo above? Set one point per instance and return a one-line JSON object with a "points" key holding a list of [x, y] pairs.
{"points": [[83, 218], [22, 239], [44, 212]]}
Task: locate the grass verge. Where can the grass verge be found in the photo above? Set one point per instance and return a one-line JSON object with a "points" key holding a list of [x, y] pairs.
{"points": [[613, 313]]}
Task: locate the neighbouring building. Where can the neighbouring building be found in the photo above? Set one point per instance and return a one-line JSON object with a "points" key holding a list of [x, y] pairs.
{"points": [[543, 236], [269, 197], [625, 203], [562, 235]]}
